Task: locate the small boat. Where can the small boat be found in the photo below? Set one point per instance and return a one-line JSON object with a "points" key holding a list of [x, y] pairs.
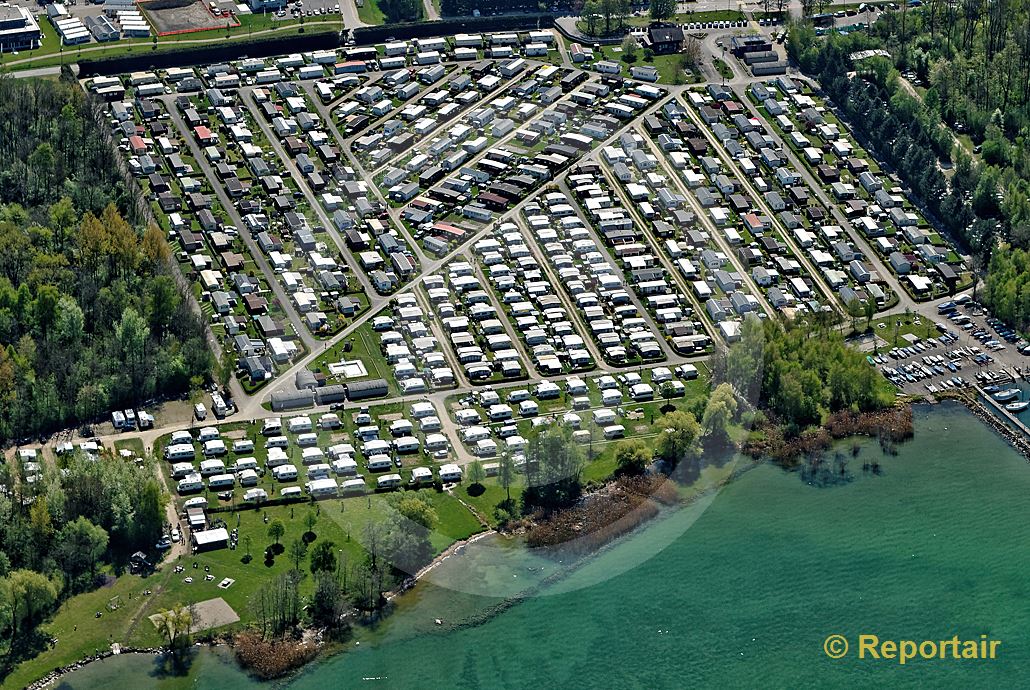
{"points": [[990, 389], [1006, 395], [1018, 406]]}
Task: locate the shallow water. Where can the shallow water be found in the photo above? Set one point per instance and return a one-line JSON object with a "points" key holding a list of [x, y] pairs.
{"points": [[738, 589]]}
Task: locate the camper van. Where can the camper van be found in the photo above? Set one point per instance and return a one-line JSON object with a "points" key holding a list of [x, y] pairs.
{"points": [[246, 464], [322, 488], [312, 456], [243, 445], [277, 442], [319, 471], [388, 481], [379, 463], [214, 448], [248, 477], [356, 485], [299, 425], [180, 437], [208, 433], [221, 482], [272, 426], [210, 467], [290, 492], [329, 420], [181, 451], [197, 502], [285, 473], [375, 448], [450, 473], [276, 457], [614, 431], [181, 469], [421, 475], [309, 439], [192, 482], [255, 496], [406, 444], [345, 466]]}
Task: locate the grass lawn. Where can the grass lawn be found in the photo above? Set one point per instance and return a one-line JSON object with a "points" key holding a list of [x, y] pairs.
{"points": [[724, 70], [369, 12], [342, 521], [893, 328], [131, 444]]}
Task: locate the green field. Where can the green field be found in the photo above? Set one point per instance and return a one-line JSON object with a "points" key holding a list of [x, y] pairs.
{"points": [[369, 12]]}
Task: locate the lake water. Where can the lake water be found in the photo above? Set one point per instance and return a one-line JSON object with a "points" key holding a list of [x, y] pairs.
{"points": [[738, 590]]}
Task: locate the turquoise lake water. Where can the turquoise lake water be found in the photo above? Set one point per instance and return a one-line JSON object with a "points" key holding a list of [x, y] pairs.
{"points": [[738, 590]]}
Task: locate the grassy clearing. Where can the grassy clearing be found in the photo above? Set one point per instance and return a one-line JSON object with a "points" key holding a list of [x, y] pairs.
{"points": [[893, 328], [369, 12]]}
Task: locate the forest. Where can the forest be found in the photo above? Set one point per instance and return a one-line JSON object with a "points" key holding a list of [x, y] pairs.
{"points": [[801, 373], [59, 534], [92, 317]]}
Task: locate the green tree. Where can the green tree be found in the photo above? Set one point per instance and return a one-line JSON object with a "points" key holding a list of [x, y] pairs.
{"points": [[323, 557], [506, 475], [276, 530], [417, 509], [553, 465], [660, 10], [32, 595], [475, 473], [719, 412], [79, 546], [298, 552], [678, 438], [175, 625], [632, 456]]}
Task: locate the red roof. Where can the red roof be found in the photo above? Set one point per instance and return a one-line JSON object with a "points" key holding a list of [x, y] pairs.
{"points": [[448, 229], [136, 142], [202, 132]]}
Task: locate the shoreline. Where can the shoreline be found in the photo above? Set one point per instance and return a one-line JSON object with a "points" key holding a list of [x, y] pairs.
{"points": [[975, 407]]}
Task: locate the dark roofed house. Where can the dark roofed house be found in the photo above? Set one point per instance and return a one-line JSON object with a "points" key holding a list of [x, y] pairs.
{"points": [[663, 39], [255, 304]]}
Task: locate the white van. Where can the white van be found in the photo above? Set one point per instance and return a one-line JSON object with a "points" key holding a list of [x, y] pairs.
{"points": [[209, 467], [213, 448], [290, 491], [379, 463], [307, 440], [248, 477], [181, 469], [329, 420], [221, 482], [312, 456], [299, 424], [614, 431], [285, 473], [406, 444], [243, 445], [375, 448], [208, 433], [277, 442], [180, 437], [192, 482], [180, 451], [246, 464], [255, 496], [388, 481], [196, 502], [200, 412], [356, 485], [450, 473], [320, 471], [276, 457], [273, 426], [345, 466]]}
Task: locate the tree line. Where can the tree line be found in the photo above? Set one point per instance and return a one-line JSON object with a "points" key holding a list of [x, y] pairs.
{"points": [[91, 315]]}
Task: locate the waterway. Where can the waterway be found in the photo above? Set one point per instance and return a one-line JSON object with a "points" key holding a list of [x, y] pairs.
{"points": [[738, 589]]}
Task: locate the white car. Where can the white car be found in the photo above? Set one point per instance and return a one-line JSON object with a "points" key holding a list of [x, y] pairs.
{"points": [[176, 535]]}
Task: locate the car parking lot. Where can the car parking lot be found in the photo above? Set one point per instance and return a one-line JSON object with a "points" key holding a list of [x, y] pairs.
{"points": [[969, 348]]}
